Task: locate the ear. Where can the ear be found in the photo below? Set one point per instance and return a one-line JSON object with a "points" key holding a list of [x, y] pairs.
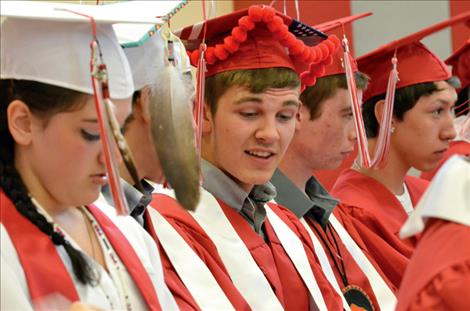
{"points": [[20, 121], [143, 104], [301, 115], [207, 119], [379, 110]]}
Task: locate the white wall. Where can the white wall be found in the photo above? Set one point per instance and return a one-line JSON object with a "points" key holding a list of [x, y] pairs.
{"points": [[395, 19]]}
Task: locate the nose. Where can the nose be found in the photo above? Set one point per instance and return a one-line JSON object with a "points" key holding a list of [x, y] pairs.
{"points": [[448, 131], [352, 135], [267, 131]]}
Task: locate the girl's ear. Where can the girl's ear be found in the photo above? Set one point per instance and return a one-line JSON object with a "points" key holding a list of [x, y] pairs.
{"points": [[20, 122]]}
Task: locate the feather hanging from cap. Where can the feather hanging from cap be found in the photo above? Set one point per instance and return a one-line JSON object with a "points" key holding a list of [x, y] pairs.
{"points": [[173, 129]]}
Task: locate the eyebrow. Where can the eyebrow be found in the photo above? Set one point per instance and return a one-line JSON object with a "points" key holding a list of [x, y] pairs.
{"points": [[90, 120], [346, 109], [259, 100]]}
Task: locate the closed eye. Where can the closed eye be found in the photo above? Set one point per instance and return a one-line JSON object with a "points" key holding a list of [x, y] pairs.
{"points": [[88, 136]]}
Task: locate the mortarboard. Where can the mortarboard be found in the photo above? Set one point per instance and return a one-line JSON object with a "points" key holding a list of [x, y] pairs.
{"points": [[460, 62], [257, 37], [161, 56], [416, 63], [72, 46], [337, 66]]}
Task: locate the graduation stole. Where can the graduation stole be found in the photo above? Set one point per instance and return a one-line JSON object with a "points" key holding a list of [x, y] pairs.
{"points": [[183, 258], [40, 260]]}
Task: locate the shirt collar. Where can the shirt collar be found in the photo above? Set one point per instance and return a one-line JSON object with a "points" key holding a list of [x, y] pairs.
{"points": [[222, 186], [315, 200], [133, 196]]}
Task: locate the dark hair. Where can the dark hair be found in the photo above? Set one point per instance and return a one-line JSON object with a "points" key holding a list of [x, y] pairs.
{"points": [[44, 101], [256, 80], [326, 87], [463, 96], [405, 99]]}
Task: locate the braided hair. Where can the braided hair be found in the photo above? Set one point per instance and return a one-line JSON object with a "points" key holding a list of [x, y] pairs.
{"points": [[44, 101]]}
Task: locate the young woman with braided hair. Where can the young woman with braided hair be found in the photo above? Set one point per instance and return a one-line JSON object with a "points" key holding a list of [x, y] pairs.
{"points": [[58, 248]]}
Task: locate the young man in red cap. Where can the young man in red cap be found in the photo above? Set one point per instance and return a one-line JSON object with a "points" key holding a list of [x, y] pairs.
{"points": [[326, 136], [251, 106], [460, 62], [438, 274], [157, 108], [421, 128]]}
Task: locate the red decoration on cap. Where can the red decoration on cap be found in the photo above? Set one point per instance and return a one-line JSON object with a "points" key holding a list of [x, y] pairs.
{"points": [[267, 28]]}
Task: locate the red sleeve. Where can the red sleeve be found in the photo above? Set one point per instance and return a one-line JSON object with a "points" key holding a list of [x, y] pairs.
{"points": [[448, 290]]}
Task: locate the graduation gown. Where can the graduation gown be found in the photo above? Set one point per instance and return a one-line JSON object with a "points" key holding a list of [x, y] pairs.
{"points": [[40, 272], [314, 207], [200, 243], [438, 276], [461, 147], [378, 216], [383, 256], [269, 256]]}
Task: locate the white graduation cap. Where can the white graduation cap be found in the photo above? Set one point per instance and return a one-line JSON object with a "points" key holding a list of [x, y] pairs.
{"points": [[149, 54], [46, 42]]}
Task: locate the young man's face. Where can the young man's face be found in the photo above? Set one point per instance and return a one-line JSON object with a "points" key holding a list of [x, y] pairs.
{"points": [[423, 135], [323, 143], [249, 133]]}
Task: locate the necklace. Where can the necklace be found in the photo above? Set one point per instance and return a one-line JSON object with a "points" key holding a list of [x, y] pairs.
{"points": [[115, 266], [353, 294]]}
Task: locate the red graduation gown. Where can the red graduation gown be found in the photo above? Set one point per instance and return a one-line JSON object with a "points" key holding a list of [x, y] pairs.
{"points": [[387, 260], [456, 147], [45, 271], [198, 240], [355, 275], [438, 275], [270, 257], [376, 210]]}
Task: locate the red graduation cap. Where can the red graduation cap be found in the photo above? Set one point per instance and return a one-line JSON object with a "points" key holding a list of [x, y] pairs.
{"points": [[416, 63], [460, 62], [337, 66], [259, 37]]}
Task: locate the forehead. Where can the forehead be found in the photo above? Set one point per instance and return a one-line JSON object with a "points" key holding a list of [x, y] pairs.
{"points": [[238, 93]]}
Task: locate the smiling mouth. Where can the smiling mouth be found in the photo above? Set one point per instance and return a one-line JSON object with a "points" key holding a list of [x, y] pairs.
{"points": [[260, 154]]}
